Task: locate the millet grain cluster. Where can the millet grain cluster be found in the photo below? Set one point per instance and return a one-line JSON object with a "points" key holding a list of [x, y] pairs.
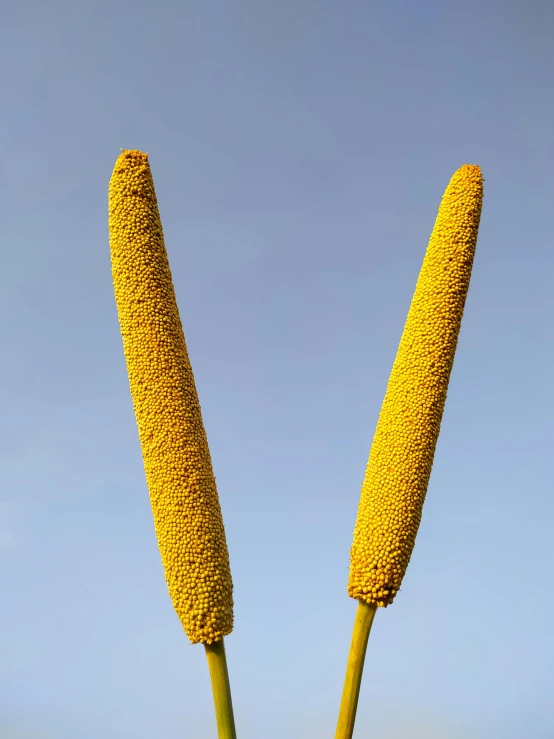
{"points": [[401, 456], [177, 462]]}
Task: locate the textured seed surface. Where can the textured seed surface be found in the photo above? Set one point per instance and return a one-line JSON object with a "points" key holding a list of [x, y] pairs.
{"points": [[401, 456], [177, 462]]}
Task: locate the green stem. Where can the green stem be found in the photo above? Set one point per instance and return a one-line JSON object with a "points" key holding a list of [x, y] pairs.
{"points": [[221, 688], [354, 669]]}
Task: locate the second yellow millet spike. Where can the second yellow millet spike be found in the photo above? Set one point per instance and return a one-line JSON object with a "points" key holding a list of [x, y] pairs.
{"points": [[177, 462], [403, 448]]}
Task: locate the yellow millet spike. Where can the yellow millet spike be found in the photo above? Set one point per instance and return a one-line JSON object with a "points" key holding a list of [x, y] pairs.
{"points": [[177, 462], [403, 448]]}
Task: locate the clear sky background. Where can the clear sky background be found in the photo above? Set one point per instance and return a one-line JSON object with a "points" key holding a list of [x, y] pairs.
{"points": [[300, 149]]}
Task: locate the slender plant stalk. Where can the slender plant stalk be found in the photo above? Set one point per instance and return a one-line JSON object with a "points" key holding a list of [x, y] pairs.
{"points": [[221, 688], [349, 703], [177, 461], [403, 449]]}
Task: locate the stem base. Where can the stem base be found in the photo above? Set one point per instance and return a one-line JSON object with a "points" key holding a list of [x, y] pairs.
{"points": [[217, 663], [354, 669]]}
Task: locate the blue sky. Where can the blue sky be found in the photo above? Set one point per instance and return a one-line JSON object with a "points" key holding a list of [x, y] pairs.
{"points": [[299, 150]]}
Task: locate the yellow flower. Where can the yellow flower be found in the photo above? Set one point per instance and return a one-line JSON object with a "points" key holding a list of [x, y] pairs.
{"points": [[177, 462], [401, 456]]}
